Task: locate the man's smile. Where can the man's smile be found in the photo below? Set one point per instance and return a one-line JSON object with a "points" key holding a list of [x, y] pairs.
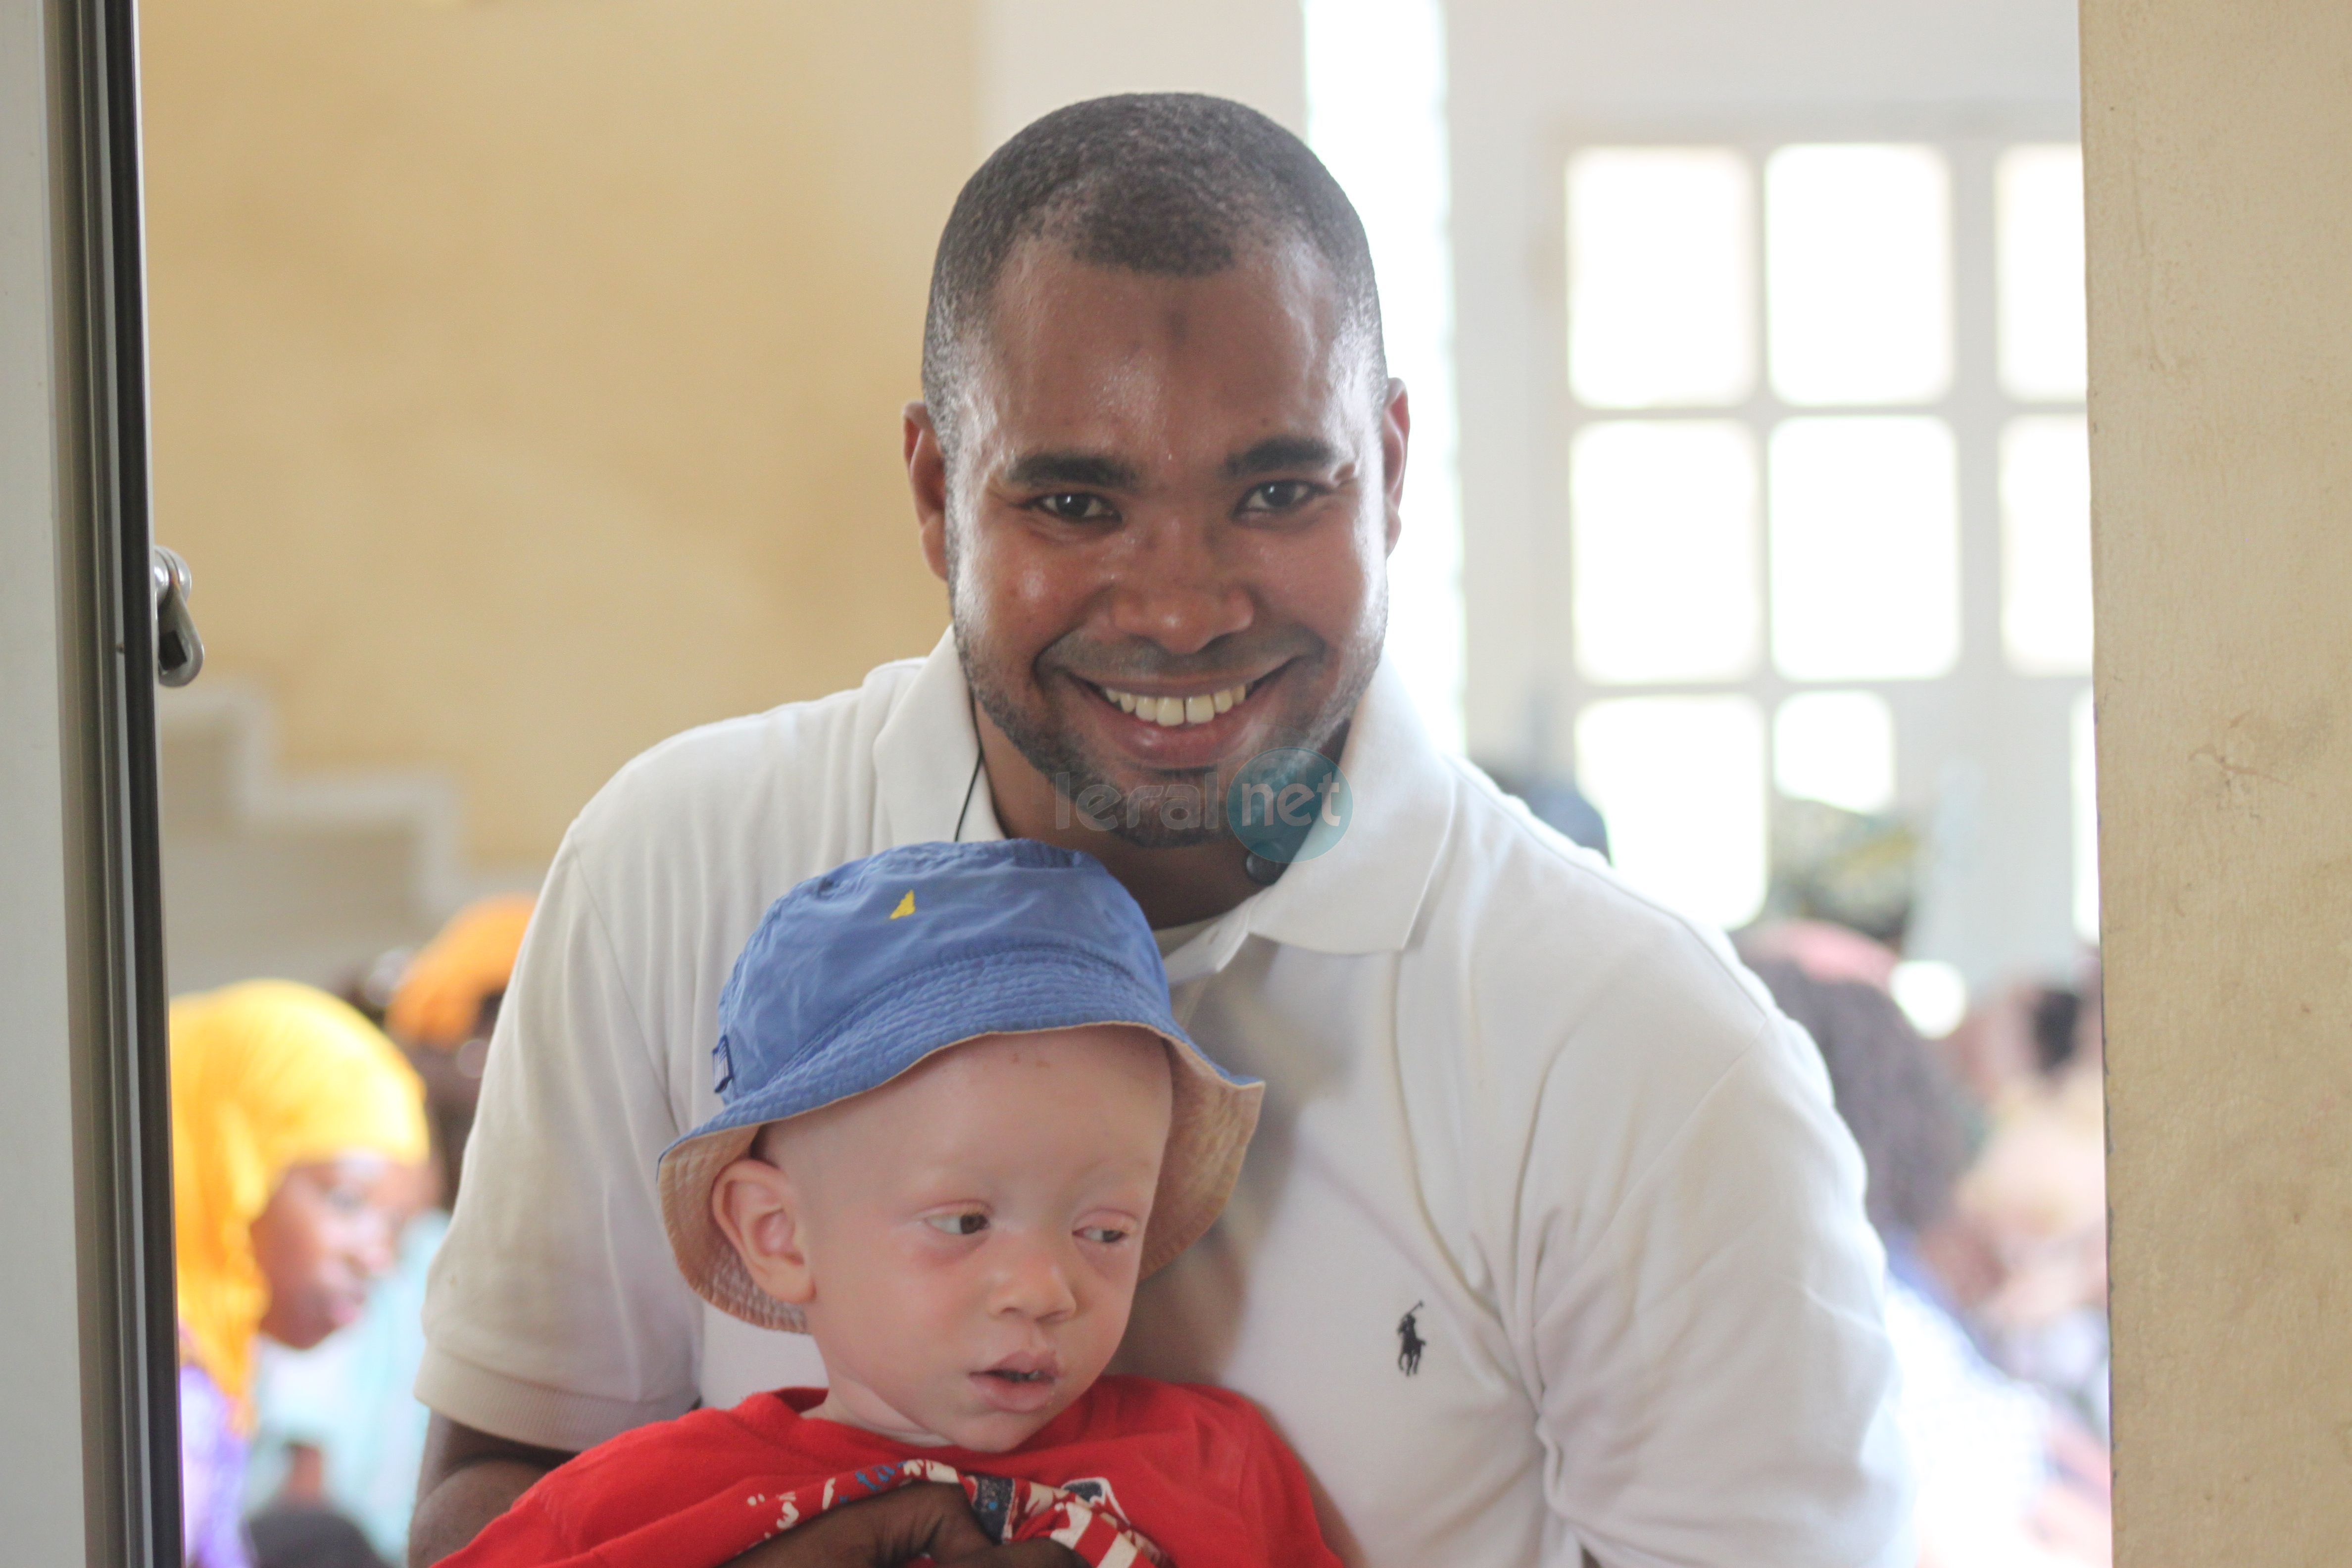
{"points": [[1183, 724], [1168, 710]]}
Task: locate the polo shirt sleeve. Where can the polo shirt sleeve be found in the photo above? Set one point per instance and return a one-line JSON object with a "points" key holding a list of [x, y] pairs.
{"points": [[1713, 1377], [554, 1314]]}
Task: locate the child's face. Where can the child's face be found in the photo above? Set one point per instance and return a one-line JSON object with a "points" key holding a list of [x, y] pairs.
{"points": [[965, 1242]]}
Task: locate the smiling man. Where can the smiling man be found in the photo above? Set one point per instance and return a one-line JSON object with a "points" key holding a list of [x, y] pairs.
{"points": [[1551, 1243]]}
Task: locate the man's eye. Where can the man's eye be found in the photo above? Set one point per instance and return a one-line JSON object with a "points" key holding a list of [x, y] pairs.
{"points": [[970, 1222], [1278, 495], [1075, 506], [1106, 1235]]}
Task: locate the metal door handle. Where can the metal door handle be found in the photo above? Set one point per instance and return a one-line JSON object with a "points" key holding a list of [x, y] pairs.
{"points": [[179, 652]]}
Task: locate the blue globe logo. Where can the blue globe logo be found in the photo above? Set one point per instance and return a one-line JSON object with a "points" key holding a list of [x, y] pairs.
{"points": [[1288, 805]]}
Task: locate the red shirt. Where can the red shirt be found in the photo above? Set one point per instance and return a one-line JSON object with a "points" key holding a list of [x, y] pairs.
{"points": [[1196, 1469]]}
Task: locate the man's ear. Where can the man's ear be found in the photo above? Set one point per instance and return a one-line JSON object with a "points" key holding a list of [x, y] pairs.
{"points": [[758, 1209], [1396, 429], [927, 477]]}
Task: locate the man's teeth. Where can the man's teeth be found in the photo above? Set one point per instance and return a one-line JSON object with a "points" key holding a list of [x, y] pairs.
{"points": [[1172, 712]]}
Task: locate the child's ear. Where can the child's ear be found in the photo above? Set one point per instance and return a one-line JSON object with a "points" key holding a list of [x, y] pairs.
{"points": [[758, 1209]]}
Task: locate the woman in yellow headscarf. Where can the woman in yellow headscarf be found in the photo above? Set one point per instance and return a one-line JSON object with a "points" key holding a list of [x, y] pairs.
{"points": [[298, 1139]]}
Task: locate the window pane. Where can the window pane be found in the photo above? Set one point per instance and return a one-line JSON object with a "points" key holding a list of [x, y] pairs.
{"points": [[1660, 263], [1865, 549], [1859, 273], [2038, 195], [1663, 542], [2045, 545], [1837, 747], [1680, 781], [2087, 823]]}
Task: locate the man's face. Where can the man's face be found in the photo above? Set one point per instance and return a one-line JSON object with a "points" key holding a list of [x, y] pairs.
{"points": [[1166, 527]]}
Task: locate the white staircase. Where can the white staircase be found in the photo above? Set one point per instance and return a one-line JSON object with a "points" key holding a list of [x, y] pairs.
{"points": [[303, 878]]}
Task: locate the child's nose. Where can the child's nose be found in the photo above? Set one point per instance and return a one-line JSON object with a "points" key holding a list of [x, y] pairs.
{"points": [[1034, 1282]]}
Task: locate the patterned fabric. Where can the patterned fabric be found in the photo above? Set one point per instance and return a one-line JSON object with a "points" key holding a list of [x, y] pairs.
{"points": [[1008, 1509], [736, 1519]]}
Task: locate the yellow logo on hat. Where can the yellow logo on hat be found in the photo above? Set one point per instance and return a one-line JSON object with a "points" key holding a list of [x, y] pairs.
{"points": [[906, 905]]}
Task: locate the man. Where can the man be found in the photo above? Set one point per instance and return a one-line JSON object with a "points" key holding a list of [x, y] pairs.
{"points": [[1550, 1241]]}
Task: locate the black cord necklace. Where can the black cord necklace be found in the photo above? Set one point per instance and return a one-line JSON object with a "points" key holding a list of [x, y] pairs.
{"points": [[972, 785]]}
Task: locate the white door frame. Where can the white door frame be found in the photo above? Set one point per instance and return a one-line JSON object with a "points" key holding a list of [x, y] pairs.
{"points": [[87, 1384]]}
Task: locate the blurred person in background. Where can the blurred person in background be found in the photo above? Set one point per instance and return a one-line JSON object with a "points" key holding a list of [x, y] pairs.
{"points": [[2031, 1039], [441, 1006], [298, 1151], [2037, 1056], [2024, 1263], [2009, 1477], [339, 1425]]}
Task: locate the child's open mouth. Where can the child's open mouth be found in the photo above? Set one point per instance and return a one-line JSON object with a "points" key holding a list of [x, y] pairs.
{"points": [[1019, 1383]]}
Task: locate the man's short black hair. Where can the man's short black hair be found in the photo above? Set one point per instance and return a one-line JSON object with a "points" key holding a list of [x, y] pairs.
{"points": [[1176, 184]]}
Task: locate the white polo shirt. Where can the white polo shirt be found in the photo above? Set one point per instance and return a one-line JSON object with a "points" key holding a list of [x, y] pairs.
{"points": [[1549, 1238]]}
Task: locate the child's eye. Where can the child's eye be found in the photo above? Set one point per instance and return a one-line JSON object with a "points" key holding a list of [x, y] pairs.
{"points": [[968, 1223], [1106, 1235]]}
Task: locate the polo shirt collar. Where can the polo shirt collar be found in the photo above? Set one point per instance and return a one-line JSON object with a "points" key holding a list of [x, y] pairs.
{"points": [[1363, 895], [927, 761]]}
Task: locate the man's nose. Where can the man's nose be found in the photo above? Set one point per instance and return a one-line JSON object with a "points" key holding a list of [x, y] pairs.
{"points": [[1177, 593], [1033, 1281]]}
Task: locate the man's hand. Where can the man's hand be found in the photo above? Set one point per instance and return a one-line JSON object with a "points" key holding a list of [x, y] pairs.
{"points": [[927, 1521], [469, 1478]]}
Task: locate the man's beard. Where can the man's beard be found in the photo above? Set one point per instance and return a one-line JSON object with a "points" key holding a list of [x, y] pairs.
{"points": [[1167, 809]]}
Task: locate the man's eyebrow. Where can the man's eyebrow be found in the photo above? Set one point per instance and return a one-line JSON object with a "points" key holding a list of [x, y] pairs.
{"points": [[1278, 452], [1090, 469]]}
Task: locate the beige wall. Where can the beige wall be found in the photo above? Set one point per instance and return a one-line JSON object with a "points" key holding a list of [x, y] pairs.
{"points": [[1034, 55], [2219, 141], [526, 374]]}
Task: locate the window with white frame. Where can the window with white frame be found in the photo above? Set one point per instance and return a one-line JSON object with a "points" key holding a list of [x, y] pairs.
{"points": [[1827, 517]]}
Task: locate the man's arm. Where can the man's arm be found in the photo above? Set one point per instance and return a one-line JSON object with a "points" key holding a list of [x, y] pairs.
{"points": [[469, 1479], [552, 1313], [1716, 1378]]}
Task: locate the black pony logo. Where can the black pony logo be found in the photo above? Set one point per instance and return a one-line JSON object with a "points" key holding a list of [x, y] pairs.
{"points": [[1410, 1344]]}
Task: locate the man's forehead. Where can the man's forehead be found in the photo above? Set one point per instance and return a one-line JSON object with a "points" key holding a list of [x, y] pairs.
{"points": [[1247, 368]]}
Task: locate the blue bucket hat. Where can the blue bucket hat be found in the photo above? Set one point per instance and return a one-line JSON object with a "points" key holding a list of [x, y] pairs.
{"points": [[859, 975]]}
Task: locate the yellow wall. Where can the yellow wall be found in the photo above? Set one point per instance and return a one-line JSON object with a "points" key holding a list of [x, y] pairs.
{"points": [[527, 372], [2219, 150]]}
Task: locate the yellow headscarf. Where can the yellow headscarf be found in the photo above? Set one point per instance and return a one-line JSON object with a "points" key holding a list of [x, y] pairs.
{"points": [[439, 1000], [265, 1075]]}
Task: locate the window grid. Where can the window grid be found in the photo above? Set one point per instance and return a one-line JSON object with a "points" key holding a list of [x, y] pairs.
{"points": [[1982, 752]]}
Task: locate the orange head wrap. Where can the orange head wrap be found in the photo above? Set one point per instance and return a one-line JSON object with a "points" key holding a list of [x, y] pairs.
{"points": [[439, 1000]]}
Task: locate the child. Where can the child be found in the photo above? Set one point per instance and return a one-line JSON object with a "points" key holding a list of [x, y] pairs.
{"points": [[960, 1124]]}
